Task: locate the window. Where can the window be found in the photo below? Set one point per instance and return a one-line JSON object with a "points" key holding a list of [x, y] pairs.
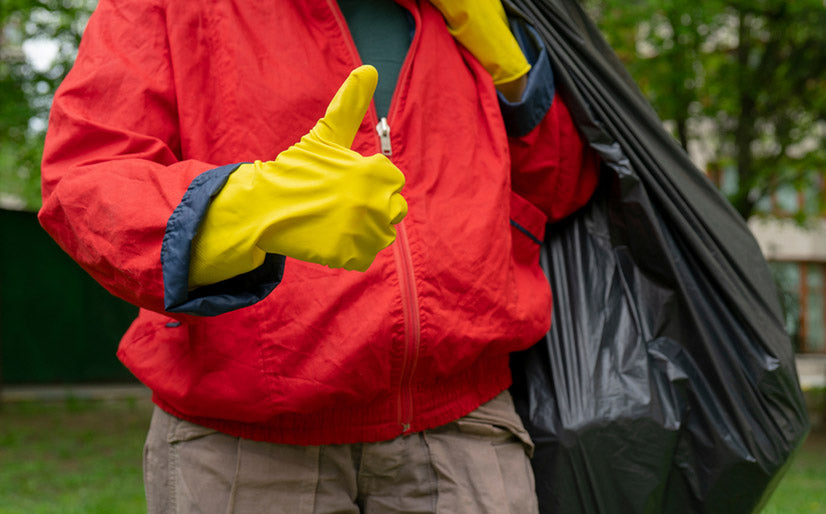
{"points": [[802, 289], [813, 334], [786, 200], [805, 197]]}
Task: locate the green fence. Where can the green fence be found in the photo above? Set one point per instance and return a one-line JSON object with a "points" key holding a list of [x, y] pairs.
{"points": [[57, 325]]}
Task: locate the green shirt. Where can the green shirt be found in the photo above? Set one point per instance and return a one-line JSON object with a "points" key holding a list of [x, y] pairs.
{"points": [[382, 31]]}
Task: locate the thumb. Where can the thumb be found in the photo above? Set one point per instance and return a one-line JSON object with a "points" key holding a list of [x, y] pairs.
{"points": [[348, 107]]}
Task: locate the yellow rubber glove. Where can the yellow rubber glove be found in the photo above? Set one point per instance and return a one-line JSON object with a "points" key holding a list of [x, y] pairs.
{"points": [[481, 26], [318, 201]]}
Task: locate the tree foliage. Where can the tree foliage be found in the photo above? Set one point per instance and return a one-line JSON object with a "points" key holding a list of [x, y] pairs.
{"points": [[38, 43], [742, 85]]}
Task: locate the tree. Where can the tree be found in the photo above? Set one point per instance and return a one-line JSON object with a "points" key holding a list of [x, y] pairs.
{"points": [[741, 84], [27, 84]]}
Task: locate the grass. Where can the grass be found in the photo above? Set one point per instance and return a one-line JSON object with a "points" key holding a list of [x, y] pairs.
{"points": [[803, 488], [78, 456], [84, 456]]}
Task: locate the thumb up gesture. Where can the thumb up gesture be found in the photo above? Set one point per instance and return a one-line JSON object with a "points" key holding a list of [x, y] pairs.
{"points": [[318, 201]]}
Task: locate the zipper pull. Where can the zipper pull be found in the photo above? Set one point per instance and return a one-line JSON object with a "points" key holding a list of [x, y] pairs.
{"points": [[383, 128]]}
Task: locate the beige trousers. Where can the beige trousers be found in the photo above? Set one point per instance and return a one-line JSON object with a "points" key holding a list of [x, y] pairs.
{"points": [[477, 464]]}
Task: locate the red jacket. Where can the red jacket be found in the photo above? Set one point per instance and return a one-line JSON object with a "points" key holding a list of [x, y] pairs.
{"points": [[165, 96]]}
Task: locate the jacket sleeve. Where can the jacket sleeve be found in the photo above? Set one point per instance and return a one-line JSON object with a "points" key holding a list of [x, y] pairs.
{"points": [[117, 194], [553, 168]]}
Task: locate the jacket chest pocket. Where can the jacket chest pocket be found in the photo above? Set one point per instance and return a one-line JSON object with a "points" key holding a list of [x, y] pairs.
{"points": [[527, 230]]}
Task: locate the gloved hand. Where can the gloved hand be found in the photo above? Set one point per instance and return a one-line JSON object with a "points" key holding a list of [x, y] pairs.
{"points": [[318, 201], [481, 26]]}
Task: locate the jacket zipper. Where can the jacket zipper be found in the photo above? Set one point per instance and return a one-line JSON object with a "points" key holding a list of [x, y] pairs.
{"points": [[412, 325], [383, 128], [401, 249], [404, 260], [410, 302]]}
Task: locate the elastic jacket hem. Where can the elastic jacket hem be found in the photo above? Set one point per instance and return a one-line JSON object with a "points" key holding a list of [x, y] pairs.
{"points": [[433, 405]]}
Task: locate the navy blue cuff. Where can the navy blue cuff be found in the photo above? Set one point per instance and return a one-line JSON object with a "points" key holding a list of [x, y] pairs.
{"points": [[523, 116], [234, 293]]}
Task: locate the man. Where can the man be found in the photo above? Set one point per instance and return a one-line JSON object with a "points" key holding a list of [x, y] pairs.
{"points": [[325, 326]]}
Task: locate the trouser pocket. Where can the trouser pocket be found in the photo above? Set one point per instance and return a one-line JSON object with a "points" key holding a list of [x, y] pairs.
{"points": [[482, 461]]}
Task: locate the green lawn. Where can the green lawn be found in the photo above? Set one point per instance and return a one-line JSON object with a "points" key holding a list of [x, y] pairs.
{"points": [[79, 456], [803, 489], [84, 456]]}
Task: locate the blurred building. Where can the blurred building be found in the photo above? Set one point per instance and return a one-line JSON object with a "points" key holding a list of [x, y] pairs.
{"points": [[790, 227], [797, 254]]}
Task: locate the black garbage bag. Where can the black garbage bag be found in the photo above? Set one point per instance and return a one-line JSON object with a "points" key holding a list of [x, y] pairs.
{"points": [[667, 382]]}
